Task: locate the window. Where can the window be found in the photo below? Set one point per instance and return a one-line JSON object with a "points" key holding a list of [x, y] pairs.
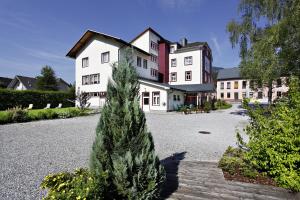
{"points": [[85, 80], [85, 62], [145, 63], [250, 94], [138, 61], [244, 84], [236, 85], [228, 85], [173, 62], [188, 75], [251, 84], [94, 78], [278, 94], [259, 95], [154, 46], [228, 95], [188, 60], [279, 82], [91, 79], [155, 98], [102, 94], [173, 77], [244, 94], [222, 85], [178, 97], [222, 95], [154, 58], [105, 57], [154, 72], [174, 97]]}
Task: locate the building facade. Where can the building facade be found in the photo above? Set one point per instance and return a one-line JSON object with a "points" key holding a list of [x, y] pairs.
{"points": [[95, 52], [232, 87]]}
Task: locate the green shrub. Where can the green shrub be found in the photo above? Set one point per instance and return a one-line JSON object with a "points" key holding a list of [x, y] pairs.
{"points": [[17, 114], [245, 102], [221, 104], [39, 99], [78, 185], [274, 139], [207, 106], [5, 117]]}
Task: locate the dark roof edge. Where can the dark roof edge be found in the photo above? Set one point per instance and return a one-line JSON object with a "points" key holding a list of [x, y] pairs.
{"points": [[149, 29]]}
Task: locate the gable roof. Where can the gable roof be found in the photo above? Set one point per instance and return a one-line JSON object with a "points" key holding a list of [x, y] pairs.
{"points": [[229, 73], [151, 30], [28, 82], [192, 46], [4, 82], [89, 34]]}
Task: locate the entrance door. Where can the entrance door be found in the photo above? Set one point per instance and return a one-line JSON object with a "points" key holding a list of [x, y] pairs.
{"points": [[146, 101], [236, 96]]}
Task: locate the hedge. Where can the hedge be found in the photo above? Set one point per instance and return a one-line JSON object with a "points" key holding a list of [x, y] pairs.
{"points": [[39, 99]]}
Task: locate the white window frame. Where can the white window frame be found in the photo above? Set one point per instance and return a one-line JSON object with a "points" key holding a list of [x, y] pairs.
{"points": [[173, 62], [173, 76], [145, 63], [85, 62], [105, 57], [139, 64], [188, 60], [155, 98], [188, 75]]}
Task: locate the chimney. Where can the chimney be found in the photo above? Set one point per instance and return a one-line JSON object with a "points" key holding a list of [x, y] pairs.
{"points": [[183, 42]]}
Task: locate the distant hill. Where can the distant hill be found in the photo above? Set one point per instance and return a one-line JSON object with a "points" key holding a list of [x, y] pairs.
{"points": [[216, 69]]}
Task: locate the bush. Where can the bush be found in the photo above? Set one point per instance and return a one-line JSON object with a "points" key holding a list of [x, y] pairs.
{"points": [[221, 104], [245, 102], [274, 140], [39, 99], [17, 114], [78, 185], [207, 106]]}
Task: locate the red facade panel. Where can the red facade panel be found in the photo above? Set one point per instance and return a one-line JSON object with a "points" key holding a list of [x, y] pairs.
{"points": [[163, 66]]}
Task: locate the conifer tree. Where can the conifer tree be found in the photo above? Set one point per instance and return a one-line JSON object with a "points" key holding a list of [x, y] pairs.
{"points": [[123, 147], [47, 79]]}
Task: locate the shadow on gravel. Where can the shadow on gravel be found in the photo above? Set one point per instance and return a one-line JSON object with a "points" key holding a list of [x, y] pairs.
{"points": [[240, 112], [171, 165]]}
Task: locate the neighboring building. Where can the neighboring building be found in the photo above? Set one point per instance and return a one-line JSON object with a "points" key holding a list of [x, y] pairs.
{"points": [[4, 82], [29, 83], [232, 87], [95, 52]]}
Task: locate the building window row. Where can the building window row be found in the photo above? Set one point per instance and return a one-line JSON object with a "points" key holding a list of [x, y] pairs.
{"points": [[154, 72], [176, 97], [188, 76], [91, 79], [154, 46], [139, 62], [104, 59], [236, 85], [97, 94]]}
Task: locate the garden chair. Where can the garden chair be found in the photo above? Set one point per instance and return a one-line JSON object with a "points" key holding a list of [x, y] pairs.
{"points": [[59, 105], [30, 106], [48, 106]]}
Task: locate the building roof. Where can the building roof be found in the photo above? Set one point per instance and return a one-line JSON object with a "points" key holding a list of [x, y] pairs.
{"points": [[89, 34], [207, 87], [30, 83], [4, 82], [191, 47], [229, 73], [151, 30]]}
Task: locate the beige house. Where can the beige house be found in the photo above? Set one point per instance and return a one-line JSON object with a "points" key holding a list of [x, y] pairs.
{"points": [[232, 87]]}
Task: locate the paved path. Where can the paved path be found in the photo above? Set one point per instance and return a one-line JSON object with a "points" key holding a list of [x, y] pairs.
{"points": [[189, 180]]}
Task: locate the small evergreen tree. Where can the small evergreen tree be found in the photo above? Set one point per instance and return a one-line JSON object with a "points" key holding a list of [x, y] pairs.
{"points": [[123, 146], [47, 80]]}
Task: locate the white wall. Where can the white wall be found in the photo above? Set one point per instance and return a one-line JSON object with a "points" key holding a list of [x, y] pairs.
{"points": [[143, 42], [19, 86], [180, 68]]}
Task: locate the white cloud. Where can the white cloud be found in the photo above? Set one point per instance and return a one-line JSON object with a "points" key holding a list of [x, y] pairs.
{"points": [[184, 5], [216, 44]]}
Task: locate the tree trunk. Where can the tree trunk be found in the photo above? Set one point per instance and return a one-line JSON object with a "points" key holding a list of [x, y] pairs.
{"points": [[270, 88]]}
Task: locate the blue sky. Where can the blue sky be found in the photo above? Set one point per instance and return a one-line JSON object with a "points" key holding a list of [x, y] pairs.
{"points": [[35, 33]]}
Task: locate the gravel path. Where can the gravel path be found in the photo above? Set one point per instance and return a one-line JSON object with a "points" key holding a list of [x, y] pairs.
{"points": [[30, 151]]}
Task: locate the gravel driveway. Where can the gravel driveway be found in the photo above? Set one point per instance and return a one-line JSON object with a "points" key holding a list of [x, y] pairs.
{"points": [[30, 151]]}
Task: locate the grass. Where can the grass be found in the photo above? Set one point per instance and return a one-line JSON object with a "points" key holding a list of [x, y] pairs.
{"points": [[20, 115]]}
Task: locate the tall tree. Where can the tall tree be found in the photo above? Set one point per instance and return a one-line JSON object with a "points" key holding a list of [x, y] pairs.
{"points": [[269, 39], [47, 80], [123, 146]]}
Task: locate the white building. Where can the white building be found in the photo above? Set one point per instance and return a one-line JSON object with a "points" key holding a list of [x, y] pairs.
{"points": [[95, 52], [232, 87]]}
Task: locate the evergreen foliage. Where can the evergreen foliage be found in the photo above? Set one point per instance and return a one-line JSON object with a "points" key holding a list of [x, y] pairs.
{"points": [[47, 80], [123, 147]]}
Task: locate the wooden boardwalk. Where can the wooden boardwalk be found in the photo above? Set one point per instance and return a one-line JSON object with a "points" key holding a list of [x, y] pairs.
{"points": [[187, 180]]}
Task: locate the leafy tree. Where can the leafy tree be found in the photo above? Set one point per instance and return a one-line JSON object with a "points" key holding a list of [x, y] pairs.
{"points": [[269, 39], [47, 80], [123, 146]]}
